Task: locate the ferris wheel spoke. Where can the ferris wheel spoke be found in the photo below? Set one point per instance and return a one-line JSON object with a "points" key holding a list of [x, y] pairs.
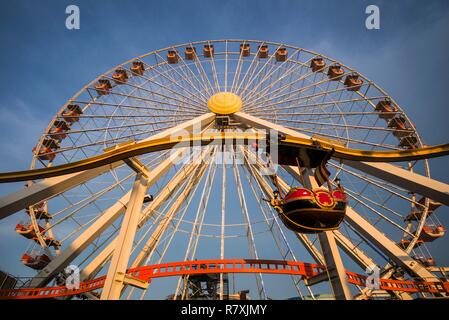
{"points": [[345, 126], [201, 86], [382, 185], [131, 107], [270, 96], [135, 87], [112, 140], [191, 98], [281, 241], [193, 106], [155, 102], [184, 77], [305, 88], [252, 77], [289, 86], [198, 223], [94, 196], [115, 128], [239, 66], [214, 71], [253, 61], [200, 73], [306, 97], [204, 77], [329, 104], [93, 268]]}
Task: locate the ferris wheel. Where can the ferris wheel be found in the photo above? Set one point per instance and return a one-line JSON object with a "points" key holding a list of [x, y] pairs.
{"points": [[187, 213]]}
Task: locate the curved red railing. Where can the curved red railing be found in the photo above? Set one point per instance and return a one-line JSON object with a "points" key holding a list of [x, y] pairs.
{"points": [[147, 273]]}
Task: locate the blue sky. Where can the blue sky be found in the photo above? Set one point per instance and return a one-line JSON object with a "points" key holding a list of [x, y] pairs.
{"points": [[43, 64]]}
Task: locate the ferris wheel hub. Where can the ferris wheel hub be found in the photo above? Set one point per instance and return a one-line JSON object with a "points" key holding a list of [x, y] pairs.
{"points": [[224, 103]]}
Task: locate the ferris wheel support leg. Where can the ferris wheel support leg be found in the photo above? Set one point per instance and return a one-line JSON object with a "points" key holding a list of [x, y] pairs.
{"points": [[427, 187], [116, 276]]}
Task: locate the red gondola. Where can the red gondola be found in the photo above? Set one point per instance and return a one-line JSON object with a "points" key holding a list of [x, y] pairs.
{"points": [[262, 52], [312, 211], [335, 72], [410, 142], [208, 50], [417, 214], [281, 54], [353, 83], [317, 64], [190, 53], [400, 125], [137, 68], [34, 261], [45, 153], [120, 76], [172, 57], [386, 109], [47, 150], [103, 87], [72, 113], [245, 49], [404, 243], [59, 130], [427, 262]]}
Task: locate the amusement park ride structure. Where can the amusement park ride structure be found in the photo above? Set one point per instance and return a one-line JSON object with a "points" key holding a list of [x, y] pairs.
{"points": [[122, 163]]}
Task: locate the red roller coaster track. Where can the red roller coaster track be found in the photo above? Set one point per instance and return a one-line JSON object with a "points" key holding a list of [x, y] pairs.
{"points": [[147, 273]]}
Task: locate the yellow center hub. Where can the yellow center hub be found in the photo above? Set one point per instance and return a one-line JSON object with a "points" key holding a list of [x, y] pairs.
{"points": [[224, 103]]}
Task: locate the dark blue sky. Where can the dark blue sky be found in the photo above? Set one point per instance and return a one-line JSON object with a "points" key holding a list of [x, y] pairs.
{"points": [[43, 64]]}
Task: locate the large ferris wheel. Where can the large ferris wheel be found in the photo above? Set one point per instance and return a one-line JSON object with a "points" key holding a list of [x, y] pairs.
{"points": [[112, 191]]}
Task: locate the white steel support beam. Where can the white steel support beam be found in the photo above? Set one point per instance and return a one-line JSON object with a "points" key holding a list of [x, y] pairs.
{"points": [[430, 188], [310, 247], [100, 260], [115, 279], [263, 124]]}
